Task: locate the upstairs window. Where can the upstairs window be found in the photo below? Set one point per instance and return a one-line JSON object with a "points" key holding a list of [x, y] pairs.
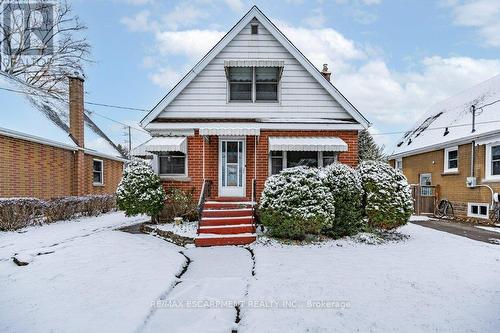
{"points": [[240, 83], [451, 159], [98, 172], [253, 84], [266, 79], [172, 164]]}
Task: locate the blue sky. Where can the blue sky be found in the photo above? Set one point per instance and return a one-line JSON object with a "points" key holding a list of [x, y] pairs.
{"points": [[392, 59]]}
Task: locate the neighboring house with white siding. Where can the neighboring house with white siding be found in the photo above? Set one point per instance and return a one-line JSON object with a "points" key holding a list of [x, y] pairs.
{"points": [[249, 108]]}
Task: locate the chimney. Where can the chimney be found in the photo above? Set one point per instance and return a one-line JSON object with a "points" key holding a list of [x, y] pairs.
{"points": [[326, 73], [76, 130], [76, 122]]}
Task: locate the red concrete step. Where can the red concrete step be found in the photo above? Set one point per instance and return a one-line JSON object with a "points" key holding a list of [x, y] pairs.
{"points": [[231, 212], [212, 221], [228, 205], [227, 229], [218, 240]]}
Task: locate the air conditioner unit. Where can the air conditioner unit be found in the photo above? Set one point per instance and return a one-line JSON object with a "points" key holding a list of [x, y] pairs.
{"points": [[471, 182]]}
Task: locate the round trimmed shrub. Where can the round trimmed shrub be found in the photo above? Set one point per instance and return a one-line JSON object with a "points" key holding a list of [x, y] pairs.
{"points": [[295, 203], [345, 184], [388, 200], [140, 190]]}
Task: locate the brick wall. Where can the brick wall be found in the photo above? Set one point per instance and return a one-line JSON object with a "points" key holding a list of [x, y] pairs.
{"points": [[30, 169], [452, 186], [195, 160]]}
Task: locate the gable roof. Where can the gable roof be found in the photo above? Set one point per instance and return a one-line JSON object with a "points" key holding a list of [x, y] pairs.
{"points": [[43, 118], [454, 115], [254, 12]]}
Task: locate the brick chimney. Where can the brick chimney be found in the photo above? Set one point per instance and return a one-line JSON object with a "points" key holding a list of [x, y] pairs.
{"points": [[326, 73], [76, 122], [76, 129]]}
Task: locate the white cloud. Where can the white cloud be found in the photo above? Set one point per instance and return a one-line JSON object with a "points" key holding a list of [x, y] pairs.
{"points": [[139, 22], [481, 14], [190, 43], [317, 18], [371, 2], [183, 15], [323, 46], [235, 5], [166, 78]]}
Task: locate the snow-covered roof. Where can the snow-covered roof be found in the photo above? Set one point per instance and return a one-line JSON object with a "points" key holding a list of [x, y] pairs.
{"points": [[449, 122], [27, 110]]}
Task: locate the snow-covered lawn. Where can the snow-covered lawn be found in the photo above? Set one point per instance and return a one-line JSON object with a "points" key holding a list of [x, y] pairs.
{"points": [[99, 279], [92, 279], [432, 282], [186, 229]]}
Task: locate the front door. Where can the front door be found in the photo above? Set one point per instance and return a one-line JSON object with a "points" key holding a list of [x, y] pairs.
{"points": [[231, 167]]}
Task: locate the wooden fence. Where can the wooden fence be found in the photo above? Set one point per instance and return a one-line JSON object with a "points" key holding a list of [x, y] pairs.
{"points": [[425, 198]]}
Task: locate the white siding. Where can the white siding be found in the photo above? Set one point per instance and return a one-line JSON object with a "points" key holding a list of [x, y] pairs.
{"points": [[301, 95]]}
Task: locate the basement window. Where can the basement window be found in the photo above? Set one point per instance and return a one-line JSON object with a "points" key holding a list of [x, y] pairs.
{"points": [[478, 210], [98, 172]]}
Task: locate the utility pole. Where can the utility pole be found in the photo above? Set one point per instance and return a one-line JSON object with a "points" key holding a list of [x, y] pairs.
{"points": [[473, 118], [129, 143]]}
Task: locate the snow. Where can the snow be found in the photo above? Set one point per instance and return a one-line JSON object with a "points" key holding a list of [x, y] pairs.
{"points": [[456, 110], [215, 281], [20, 109], [87, 278], [97, 143], [419, 218], [432, 282], [494, 229], [186, 229]]}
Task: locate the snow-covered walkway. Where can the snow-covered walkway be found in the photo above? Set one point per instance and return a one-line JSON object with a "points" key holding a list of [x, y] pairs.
{"points": [[90, 279], [204, 300]]}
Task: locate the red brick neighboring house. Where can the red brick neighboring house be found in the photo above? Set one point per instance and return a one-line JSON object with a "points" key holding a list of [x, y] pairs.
{"points": [[251, 107], [42, 156]]}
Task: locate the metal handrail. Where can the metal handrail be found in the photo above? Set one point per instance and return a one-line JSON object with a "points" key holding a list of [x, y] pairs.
{"points": [[204, 194]]}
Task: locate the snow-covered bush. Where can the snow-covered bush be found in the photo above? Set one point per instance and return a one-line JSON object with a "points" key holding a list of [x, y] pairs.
{"points": [[65, 208], [17, 213], [140, 190], [179, 203], [345, 184], [388, 200], [295, 202]]}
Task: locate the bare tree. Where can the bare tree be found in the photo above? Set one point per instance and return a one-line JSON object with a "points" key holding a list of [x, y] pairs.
{"points": [[41, 43]]}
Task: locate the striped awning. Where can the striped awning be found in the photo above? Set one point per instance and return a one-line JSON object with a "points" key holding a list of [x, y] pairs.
{"points": [[229, 130], [254, 63], [166, 143], [307, 144]]}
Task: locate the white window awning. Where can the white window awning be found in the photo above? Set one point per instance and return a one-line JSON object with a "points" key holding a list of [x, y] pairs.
{"points": [[307, 144], [229, 130], [165, 143], [254, 63]]}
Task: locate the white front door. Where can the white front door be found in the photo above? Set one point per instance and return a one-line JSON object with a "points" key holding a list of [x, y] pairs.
{"points": [[231, 167]]}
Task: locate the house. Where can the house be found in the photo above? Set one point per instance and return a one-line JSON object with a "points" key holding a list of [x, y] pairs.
{"points": [[455, 147], [52, 148], [253, 105]]}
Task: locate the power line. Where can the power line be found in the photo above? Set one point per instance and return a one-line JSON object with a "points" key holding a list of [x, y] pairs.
{"points": [[86, 102]]}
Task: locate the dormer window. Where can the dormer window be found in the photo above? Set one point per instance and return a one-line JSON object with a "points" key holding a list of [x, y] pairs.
{"points": [[266, 79], [240, 83], [253, 84]]}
